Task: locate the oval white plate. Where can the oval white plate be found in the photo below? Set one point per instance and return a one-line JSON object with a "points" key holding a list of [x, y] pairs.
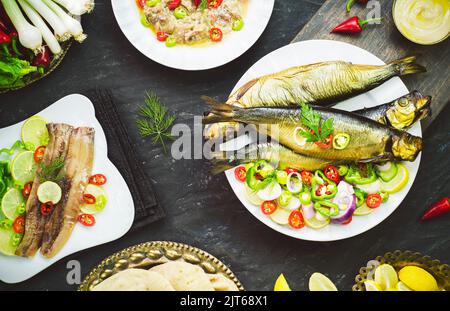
{"points": [[112, 223], [307, 52], [193, 58]]}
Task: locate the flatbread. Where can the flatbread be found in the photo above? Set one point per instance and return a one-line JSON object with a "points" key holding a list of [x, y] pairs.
{"points": [[222, 284], [184, 276], [135, 280]]}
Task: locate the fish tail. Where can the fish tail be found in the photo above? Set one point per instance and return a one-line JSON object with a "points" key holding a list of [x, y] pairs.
{"points": [[220, 112], [407, 65]]}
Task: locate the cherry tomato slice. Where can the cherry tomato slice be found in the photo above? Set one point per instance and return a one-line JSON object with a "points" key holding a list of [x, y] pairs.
{"points": [[19, 225], [268, 207], [141, 3], [306, 177], [296, 220], [291, 170], [240, 173], [98, 179], [332, 173], [89, 198], [161, 36], [27, 189], [87, 220], [46, 208], [216, 34], [214, 4], [374, 200], [347, 221], [39, 154], [173, 4], [327, 143]]}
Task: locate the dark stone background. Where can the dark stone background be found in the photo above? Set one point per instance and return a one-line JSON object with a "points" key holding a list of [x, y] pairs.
{"points": [[201, 210]]}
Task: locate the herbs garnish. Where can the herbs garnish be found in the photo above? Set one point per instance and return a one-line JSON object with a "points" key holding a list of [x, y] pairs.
{"points": [[49, 172], [156, 120], [312, 119]]}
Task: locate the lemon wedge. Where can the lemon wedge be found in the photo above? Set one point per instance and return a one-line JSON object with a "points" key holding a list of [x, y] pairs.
{"points": [[401, 287], [320, 283], [386, 277], [281, 284], [372, 286], [418, 279]]}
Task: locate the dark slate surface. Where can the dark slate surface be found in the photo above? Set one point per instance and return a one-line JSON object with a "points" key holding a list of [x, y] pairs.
{"points": [[201, 210]]}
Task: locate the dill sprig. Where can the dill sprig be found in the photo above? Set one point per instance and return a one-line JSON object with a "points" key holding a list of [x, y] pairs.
{"points": [[156, 120], [50, 171]]}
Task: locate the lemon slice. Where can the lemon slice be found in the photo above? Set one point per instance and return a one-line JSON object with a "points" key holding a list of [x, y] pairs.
{"points": [[281, 285], [401, 287], [320, 283], [386, 277], [398, 182], [101, 199], [23, 167], [363, 210], [372, 286], [11, 201], [49, 191], [281, 216], [418, 279], [316, 224], [34, 132], [6, 247]]}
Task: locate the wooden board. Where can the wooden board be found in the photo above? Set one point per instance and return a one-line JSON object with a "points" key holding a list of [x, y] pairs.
{"points": [[386, 42]]}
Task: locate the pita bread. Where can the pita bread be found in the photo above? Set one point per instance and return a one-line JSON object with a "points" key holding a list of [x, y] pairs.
{"points": [[184, 276], [222, 284], [135, 280]]}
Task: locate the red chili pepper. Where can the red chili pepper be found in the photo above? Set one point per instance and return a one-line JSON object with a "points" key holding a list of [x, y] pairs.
{"points": [[43, 58], [5, 41], [440, 208], [47, 208], [173, 4], [353, 25], [351, 2]]}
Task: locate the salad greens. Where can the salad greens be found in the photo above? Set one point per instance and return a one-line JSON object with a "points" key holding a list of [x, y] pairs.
{"points": [[12, 71]]}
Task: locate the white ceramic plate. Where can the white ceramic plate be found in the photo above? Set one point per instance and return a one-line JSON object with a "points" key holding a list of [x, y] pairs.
{"points": [[313, 51], [198, 57], [112, 223]]}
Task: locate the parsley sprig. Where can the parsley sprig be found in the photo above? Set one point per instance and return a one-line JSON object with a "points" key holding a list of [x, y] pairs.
{"points": [[320, 130], [156, 121]]}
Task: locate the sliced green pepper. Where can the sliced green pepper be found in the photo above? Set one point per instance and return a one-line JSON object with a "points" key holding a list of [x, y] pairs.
{"points": [[285, 198], [354, 175], [151, 3], [237, 25], [327, 208], [341, 141], [171, 42], [144, 22], [305, 198], [360, 197], [342, 170], [384, 196], [282, 177], [16, 239], [180, 12], [321, 183]]}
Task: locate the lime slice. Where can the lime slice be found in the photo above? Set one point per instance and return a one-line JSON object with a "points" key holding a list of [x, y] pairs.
{"points": [[320, 283], [35, 133], [372, 286], [363, 210], [281, 216], [398, 182], [49, 191], [6, 247], [401, 287], [23, 167], [101, 199], [317, 224], [11, 201], [386, 277], [281, 285]]}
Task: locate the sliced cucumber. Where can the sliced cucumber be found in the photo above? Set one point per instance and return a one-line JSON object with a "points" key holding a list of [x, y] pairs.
{"points": [[389, 174]]}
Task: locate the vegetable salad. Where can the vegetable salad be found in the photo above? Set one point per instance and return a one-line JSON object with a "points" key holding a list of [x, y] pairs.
{"points": [[315, 199]]}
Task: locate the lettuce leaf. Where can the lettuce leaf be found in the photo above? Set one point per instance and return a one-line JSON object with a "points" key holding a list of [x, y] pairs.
{"points": [[13, 70]]}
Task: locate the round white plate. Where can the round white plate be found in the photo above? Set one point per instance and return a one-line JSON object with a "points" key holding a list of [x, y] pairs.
{"points": [[112, 223], [197, 57], [313, 51]]}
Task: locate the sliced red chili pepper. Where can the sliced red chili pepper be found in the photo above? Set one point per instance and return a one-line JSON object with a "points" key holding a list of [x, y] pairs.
{"points": [[161, 36], [306, 177], [87, 220], [291, 170], [268, 207], [216, 34], [173, 4], [440, 208], [326, 143], [347, 221], [214, 4], [141, 3], [98, 179], [296, 220], [19, 225], [332, 173], [89, 198], [46, 208], [373, 200], [27, 189], [39, 154], [240, 173], [320, 189]]}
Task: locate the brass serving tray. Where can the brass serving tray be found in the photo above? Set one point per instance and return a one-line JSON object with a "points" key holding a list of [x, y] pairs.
{"points": [[399, 259], [147, 255], [31, 78]]}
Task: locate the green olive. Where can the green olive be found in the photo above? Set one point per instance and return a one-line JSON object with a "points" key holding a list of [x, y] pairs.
{"points": [[180, 12], [171, 42]]}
